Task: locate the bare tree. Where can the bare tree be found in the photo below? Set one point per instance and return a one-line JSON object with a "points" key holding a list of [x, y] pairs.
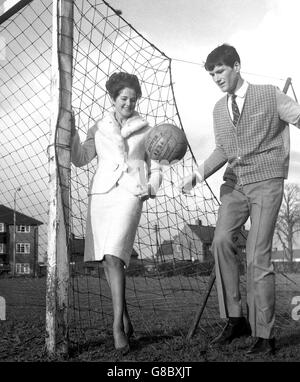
{"points": [[288, 222]]}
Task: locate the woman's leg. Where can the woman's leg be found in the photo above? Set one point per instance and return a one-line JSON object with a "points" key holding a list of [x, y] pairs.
{"points": [[115, 273], [128, 328]]}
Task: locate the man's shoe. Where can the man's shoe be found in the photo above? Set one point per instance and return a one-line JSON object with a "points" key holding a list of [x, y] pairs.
{"points": [[262, 346], [235, 327]]}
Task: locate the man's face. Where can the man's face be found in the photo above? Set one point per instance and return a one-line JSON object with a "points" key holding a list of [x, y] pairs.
{"points": [[226, 77]]}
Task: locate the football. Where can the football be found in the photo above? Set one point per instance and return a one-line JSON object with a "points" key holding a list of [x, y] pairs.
{"points": [[166, 142]]}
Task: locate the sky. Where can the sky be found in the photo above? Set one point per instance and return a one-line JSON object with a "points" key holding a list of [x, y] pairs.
{"points": [[264, 32]]}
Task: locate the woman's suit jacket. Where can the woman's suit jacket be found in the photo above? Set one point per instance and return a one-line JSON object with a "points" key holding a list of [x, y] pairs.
{"points": [[121, 155]]}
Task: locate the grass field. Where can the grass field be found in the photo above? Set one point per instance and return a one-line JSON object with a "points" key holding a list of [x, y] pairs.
{"points": [[162, 312]]}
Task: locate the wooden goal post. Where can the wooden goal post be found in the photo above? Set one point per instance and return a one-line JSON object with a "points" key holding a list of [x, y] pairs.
{"points": [[59, 179]]}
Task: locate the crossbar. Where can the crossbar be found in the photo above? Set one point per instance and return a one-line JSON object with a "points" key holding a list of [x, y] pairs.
{"points": [[10, 7]]}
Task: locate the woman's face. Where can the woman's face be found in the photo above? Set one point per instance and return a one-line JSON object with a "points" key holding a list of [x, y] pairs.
{"points": [[125, 103]]}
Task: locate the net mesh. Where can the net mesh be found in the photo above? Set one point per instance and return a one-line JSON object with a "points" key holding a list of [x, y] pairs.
{"points": [[171, 263], [163, 284], [24, 114]]}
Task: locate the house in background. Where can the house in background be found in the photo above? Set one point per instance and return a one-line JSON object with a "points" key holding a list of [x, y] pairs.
{"points": [[77, 250], [165, 251], [26, 244], [193, 243]]}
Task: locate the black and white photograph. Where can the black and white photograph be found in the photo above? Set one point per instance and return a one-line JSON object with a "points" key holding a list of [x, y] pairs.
{"points": [[150, 184]]}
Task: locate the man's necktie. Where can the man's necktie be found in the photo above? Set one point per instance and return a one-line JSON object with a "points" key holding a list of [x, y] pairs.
{"points": [[235, 110]]}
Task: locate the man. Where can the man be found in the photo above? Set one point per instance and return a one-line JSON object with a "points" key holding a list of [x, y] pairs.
{"points": [[252, 137]]}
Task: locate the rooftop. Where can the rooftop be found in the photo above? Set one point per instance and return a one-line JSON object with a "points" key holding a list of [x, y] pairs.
{"points": [[7, 217]]}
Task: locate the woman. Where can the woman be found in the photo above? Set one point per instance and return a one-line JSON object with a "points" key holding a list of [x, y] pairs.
{"points": [[124, 178]]}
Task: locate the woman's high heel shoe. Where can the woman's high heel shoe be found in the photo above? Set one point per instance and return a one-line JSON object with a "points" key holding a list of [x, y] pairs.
{"points": [[130, 332], [122, 338], [123, 350]]}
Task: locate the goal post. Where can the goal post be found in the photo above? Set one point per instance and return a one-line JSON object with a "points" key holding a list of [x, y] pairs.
{"points": [[59, 179], [32, 63]]}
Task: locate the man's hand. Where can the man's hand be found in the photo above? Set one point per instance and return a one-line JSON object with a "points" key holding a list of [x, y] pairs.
{"points": [[187, 183]]}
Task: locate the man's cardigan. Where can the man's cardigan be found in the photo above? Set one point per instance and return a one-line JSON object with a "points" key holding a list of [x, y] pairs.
{"points": [[258, 147]]}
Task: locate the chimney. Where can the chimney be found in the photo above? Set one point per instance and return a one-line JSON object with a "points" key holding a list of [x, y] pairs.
{"points": [[198, 222]]}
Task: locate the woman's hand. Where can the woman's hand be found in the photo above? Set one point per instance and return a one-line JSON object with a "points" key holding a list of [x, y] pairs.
{"points": [[187, 183], [145, 192]]}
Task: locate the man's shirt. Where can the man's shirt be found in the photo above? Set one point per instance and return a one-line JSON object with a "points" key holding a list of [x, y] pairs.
{"points": [[287, 110]]}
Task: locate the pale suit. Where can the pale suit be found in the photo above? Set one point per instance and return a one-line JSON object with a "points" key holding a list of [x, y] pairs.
{"points": [[114, 208]]}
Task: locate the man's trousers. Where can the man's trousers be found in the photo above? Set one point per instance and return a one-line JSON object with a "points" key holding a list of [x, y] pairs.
{"points": [[261, 202]]}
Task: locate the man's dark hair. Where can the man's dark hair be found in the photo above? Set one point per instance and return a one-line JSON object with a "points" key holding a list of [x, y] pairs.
{"points": [[223, 55]]}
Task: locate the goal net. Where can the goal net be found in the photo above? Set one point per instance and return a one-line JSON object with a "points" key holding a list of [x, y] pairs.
{"points": [[171, 264]]}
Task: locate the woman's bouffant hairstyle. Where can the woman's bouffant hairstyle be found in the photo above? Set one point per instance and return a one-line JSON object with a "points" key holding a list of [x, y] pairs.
{"points": [[121, 80], [223, 55]]}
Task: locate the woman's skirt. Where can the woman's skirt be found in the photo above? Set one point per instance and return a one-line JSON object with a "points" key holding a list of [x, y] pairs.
{"points": [[112, 222]]}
